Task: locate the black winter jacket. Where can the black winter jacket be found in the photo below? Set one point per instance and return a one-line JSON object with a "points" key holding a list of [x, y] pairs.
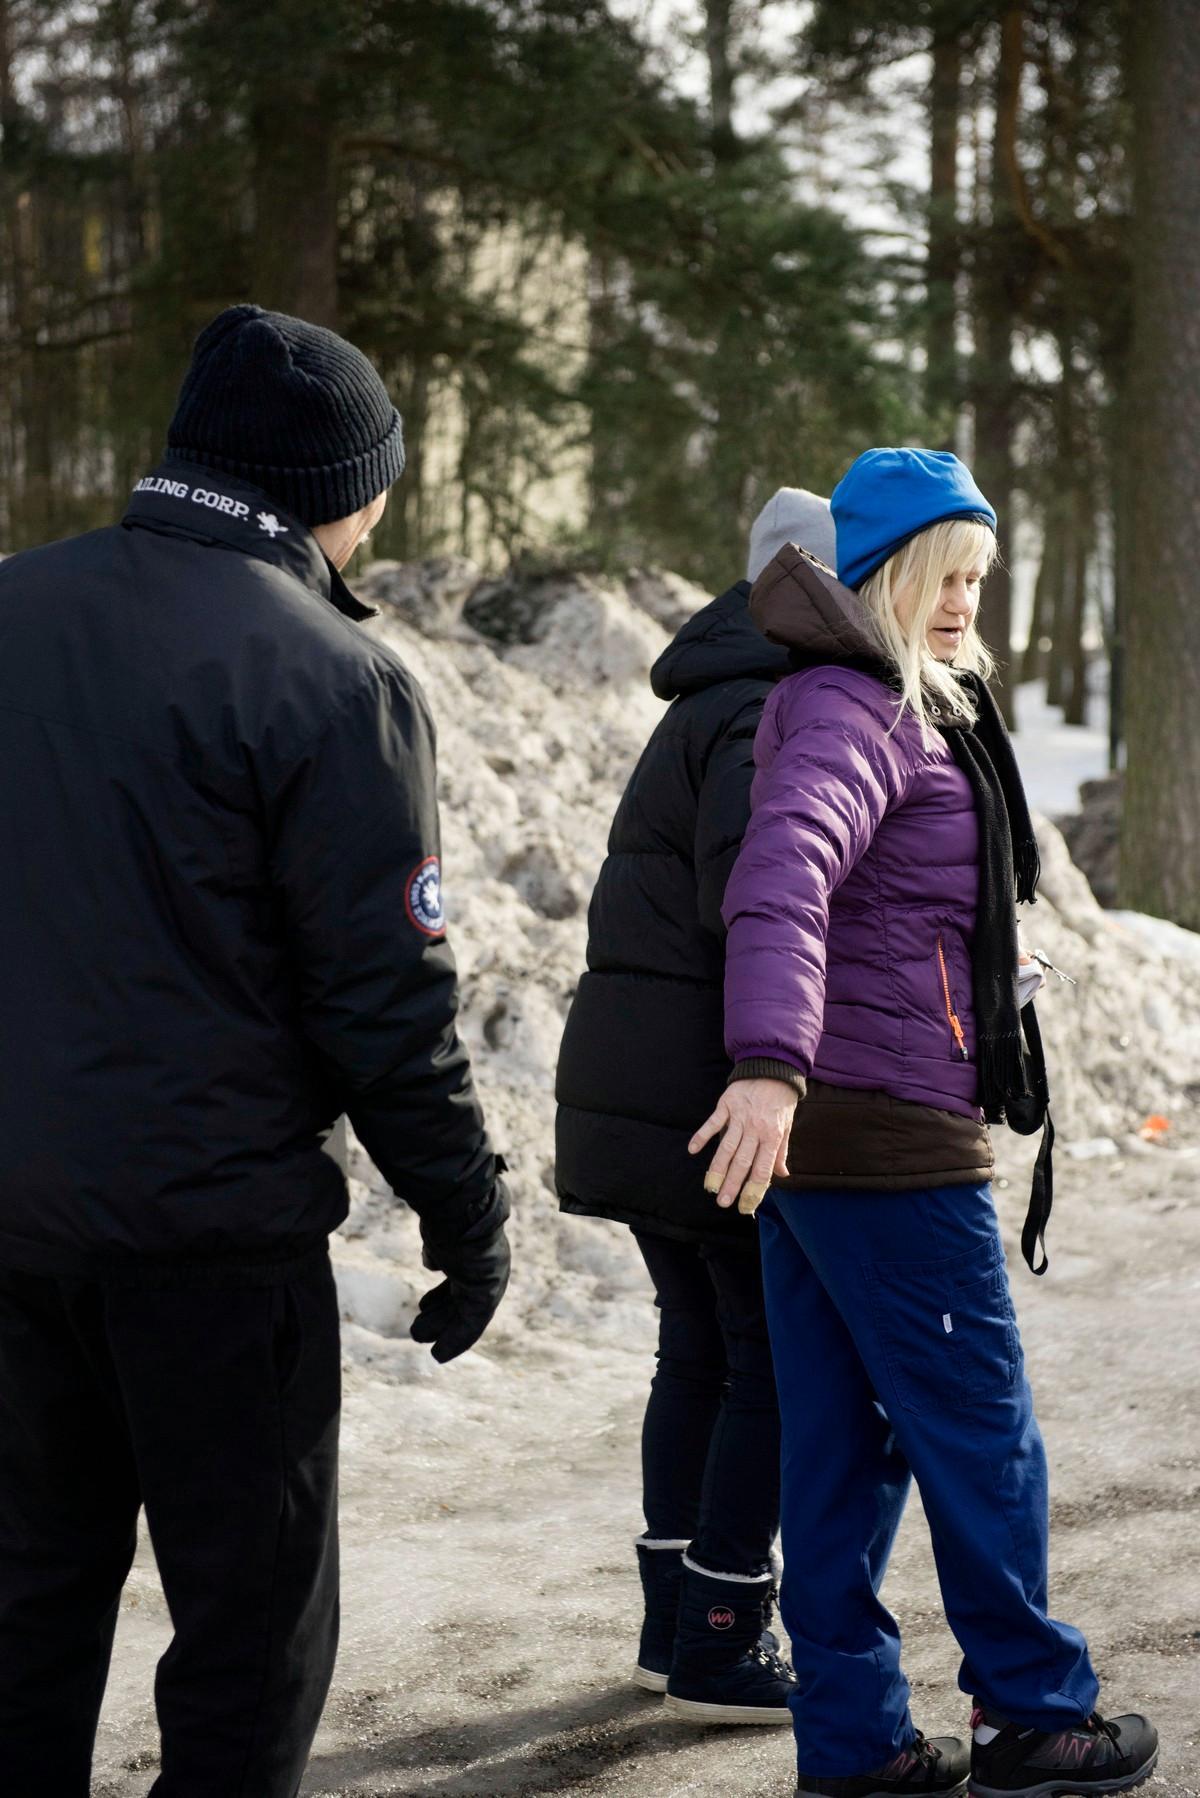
{"points": [[220, 914], [643, 1059]]}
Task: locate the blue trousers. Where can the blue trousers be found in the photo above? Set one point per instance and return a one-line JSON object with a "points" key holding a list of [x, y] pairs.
{"points": [[897, 1356]]}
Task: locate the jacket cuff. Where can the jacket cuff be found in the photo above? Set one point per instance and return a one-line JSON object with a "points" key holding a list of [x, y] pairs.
{"points": [[762, 1067], [442, 1232]]}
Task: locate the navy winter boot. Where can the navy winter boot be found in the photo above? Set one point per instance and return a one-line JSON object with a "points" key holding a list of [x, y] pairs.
{"points": [[722, 1670], [661, 1567]]}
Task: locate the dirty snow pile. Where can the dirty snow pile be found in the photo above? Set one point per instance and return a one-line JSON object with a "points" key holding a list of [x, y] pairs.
{"points": [[1123, 1043], [539, 687]]}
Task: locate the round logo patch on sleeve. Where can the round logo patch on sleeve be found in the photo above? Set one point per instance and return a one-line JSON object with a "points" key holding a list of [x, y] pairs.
{"points": [[423, 897]]}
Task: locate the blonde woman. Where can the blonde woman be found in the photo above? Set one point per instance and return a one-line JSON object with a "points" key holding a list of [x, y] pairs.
{"points": [[872, 975]]}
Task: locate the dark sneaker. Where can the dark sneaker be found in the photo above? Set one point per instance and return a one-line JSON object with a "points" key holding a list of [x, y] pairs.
{"points": [[1100, 1755], [661, 1570], [723, 1670], [940, 1765]]}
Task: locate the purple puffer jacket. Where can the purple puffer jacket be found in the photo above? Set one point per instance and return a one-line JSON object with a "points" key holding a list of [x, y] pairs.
{"points": [[851, 907]]}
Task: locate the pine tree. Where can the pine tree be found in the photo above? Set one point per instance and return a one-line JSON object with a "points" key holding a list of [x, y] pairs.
{"points": [[411, 170], [1160, 846]]}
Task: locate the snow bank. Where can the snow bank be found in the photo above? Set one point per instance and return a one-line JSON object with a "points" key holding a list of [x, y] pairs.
{"points": [[1123, 1042], [539, 686], [1169, 942]]}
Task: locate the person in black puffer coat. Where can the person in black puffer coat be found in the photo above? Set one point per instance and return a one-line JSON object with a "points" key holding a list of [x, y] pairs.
{"points": [[642, 1058]]}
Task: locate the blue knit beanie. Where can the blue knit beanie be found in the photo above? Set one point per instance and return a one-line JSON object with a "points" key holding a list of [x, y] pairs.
{"points": [[887, 496]]}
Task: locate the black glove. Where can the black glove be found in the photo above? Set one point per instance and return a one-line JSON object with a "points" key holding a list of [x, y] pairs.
{"points": [[455, 1314]]}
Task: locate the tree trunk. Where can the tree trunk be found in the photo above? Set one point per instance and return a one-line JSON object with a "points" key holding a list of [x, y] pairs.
{"points": [[1058, 666], [1057, 669], [1160, 836], [942, 258], [295, 246], [604, 467], [10, 304], [726, 385], [1060, 536], [32, 476], [1120, 421], [423, 258], [1073, 480], [1033, 659], [995, 408], [1121, 477], [1054, 557], [718, 26], [1082, 526], [122, 20]]}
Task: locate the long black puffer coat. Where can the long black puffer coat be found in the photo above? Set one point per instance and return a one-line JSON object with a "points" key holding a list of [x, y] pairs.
{"points": [[643, 1060]]}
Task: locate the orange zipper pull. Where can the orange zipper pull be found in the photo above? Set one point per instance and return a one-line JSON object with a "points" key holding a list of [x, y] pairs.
{"points": [[955, 1025]]}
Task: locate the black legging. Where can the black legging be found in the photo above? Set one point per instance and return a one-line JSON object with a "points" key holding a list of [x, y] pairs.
{"points": [[710, 1442]]}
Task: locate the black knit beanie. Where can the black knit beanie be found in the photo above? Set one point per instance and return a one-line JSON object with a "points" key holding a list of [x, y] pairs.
{"points": [[291, 408]]}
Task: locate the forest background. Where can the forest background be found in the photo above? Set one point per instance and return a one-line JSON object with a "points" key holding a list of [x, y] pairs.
{"points": [[627, 267]]}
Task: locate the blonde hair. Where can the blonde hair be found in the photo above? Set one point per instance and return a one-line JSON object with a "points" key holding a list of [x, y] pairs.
{"points": [[919, 568]]}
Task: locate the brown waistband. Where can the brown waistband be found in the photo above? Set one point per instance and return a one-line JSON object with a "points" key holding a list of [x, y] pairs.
{"points": [[842, 1137]]}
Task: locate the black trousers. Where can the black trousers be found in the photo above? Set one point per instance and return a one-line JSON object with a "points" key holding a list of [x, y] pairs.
{"points": [[710, 1441], [216, 1407]]}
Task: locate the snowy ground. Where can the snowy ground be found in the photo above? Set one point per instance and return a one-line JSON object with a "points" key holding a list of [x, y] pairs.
{"points": [[490, 1597]]}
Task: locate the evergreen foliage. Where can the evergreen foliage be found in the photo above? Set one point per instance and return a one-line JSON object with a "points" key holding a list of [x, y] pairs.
{"points": [[614, 317], [560, 268]]}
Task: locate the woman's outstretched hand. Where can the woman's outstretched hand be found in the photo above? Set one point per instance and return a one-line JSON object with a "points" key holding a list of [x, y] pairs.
{"points": [[756, 1117]]}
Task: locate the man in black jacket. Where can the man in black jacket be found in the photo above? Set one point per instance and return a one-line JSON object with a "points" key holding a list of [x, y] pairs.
{"points": [[222, 924], [643, 1048]]}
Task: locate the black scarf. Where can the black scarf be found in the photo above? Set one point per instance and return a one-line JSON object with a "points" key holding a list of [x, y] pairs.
{"points": [[1012, 1065]]}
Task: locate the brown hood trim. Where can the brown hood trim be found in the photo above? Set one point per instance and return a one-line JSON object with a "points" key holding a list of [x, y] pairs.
{"points": [[800, 603]]}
